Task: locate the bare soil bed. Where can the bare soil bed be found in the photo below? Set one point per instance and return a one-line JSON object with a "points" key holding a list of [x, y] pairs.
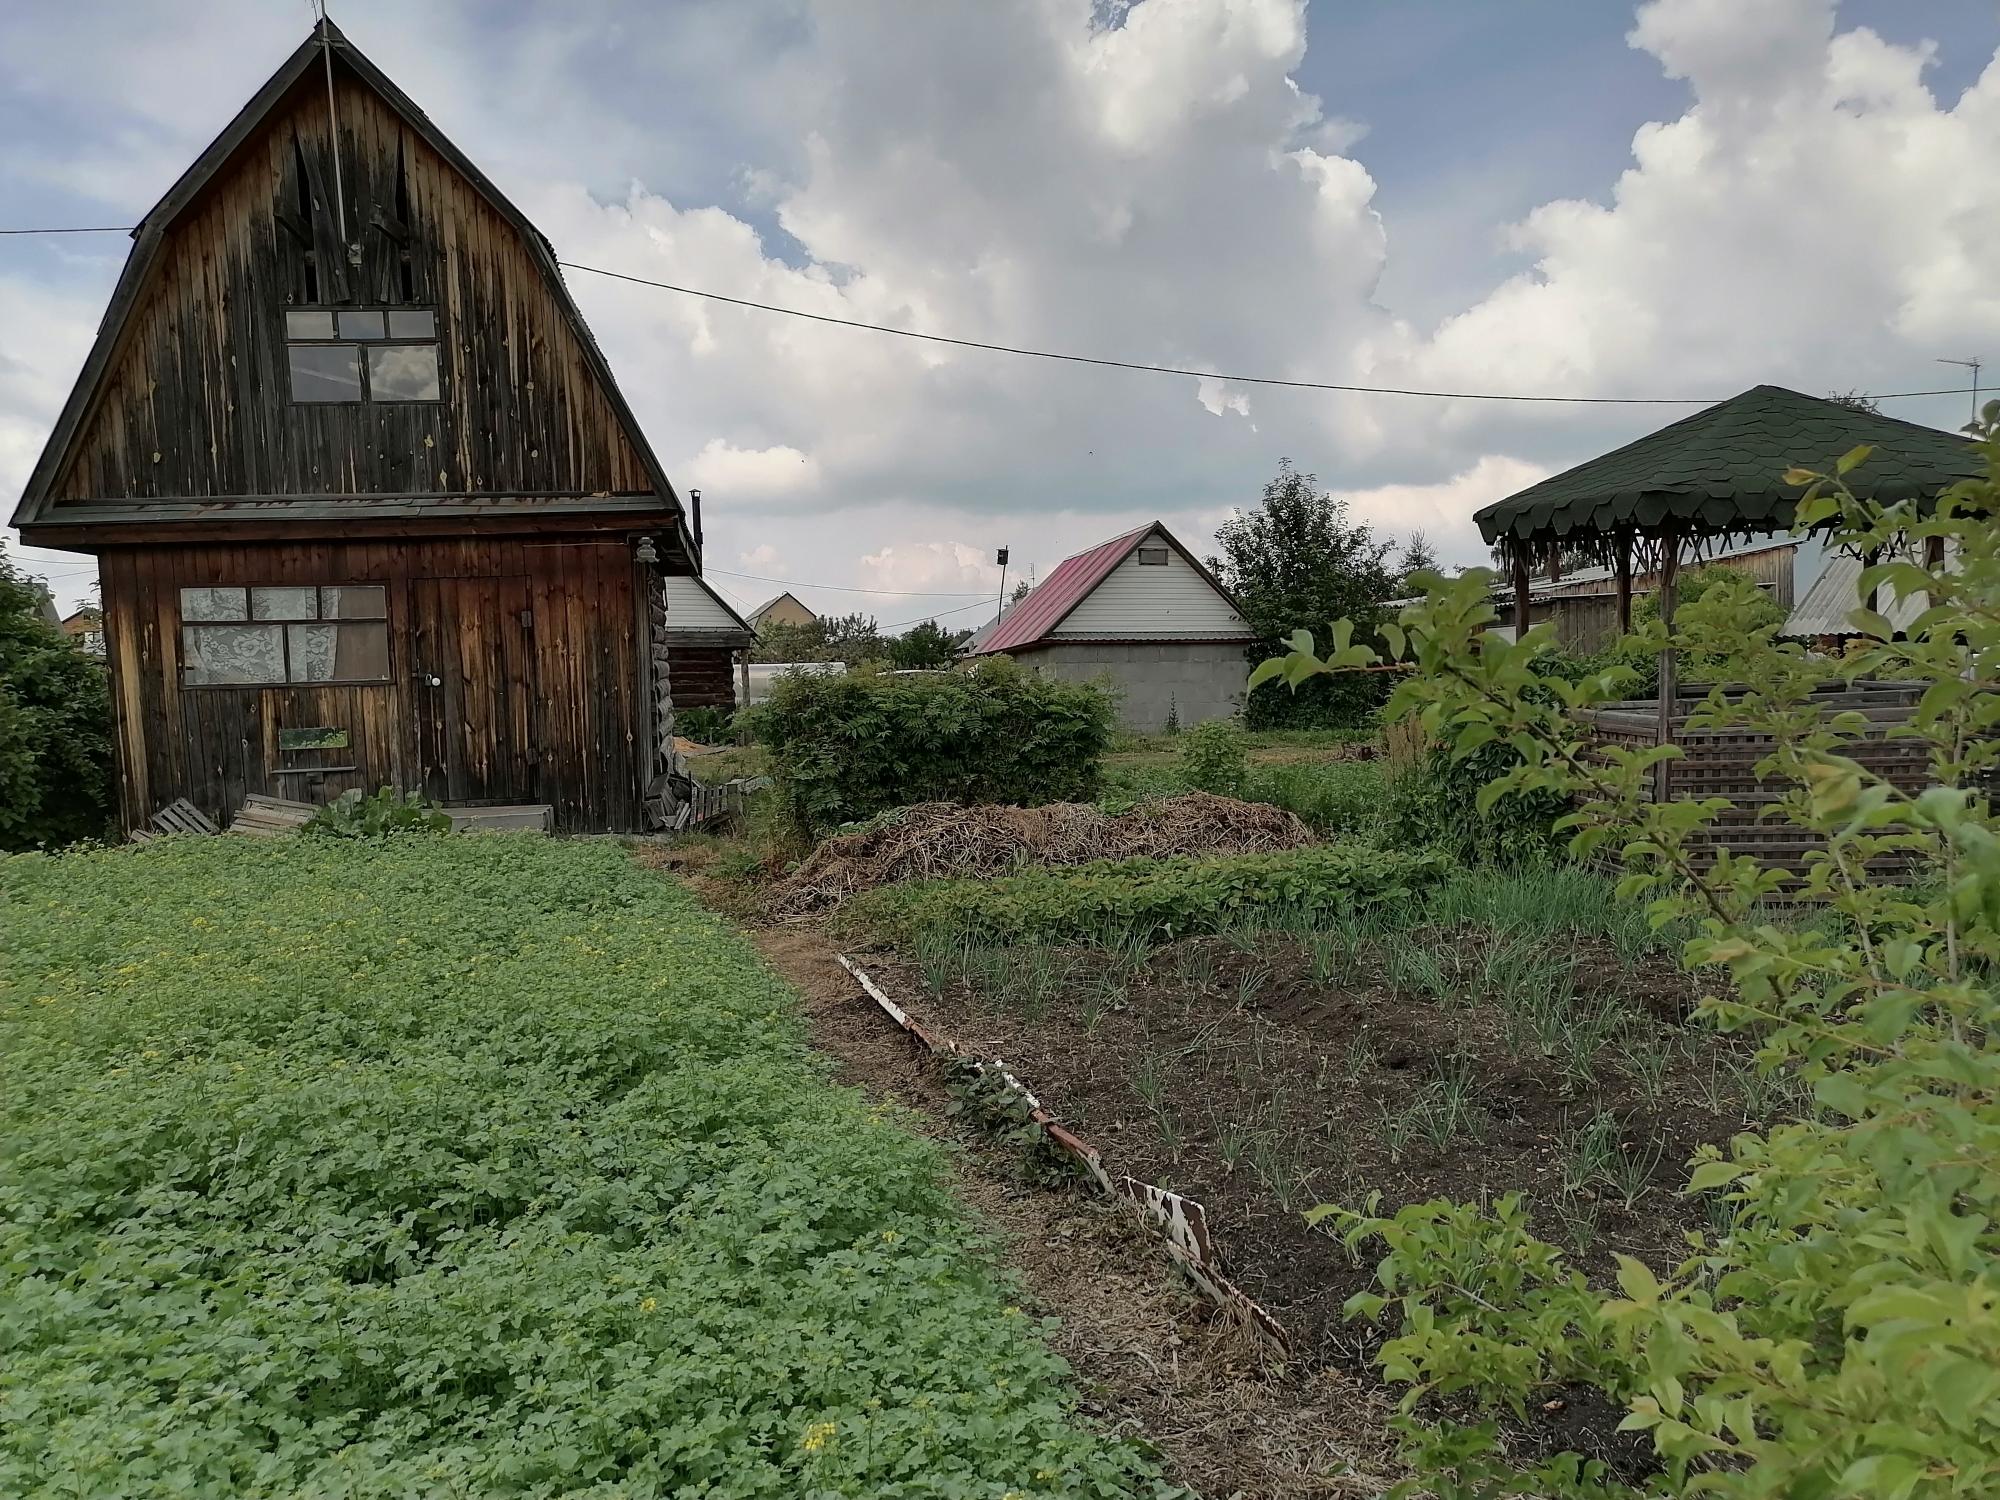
{"points": [[1263, 1074]]}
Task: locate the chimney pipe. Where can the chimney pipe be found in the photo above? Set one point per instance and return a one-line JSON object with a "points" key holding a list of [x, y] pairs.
{"points": [[695, 497]]}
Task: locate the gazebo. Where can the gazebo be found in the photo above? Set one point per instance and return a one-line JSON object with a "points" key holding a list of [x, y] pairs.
{"points": [[1715, 476]]}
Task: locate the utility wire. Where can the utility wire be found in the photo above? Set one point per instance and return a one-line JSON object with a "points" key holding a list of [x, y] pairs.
{"points": [[938, 615], [843, 588], [1127, 364]]}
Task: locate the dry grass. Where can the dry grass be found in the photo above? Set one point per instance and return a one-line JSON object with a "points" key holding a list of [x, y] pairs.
{"points": [[941, 840]]}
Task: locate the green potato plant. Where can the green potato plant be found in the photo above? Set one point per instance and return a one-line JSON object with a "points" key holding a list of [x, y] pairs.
{"points": [[449, 1167]]}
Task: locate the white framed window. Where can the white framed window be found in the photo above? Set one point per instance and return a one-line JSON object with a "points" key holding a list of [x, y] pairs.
{"points": [[269, 635]]}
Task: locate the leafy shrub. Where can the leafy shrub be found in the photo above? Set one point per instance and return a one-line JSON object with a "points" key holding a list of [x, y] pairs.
{"points": [[1171, 897], [1838, 1334], [706, 726], [1433, 803], [845, 748], [1337, 798], [55, 728], [1213, 758], [355, 815], [469, 1167]]}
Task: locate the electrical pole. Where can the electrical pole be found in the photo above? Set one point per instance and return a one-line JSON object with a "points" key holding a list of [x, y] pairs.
{"points": [[1001, 558], [1972, 365]]}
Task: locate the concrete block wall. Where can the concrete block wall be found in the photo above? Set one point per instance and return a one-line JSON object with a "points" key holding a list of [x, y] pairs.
{"points": [[1194, 681]]}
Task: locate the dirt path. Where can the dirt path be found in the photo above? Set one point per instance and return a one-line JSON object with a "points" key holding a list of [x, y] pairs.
{"points": [[1149, 1358]]}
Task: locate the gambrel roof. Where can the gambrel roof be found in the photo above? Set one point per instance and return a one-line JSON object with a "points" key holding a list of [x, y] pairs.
{"points": [[57, 516]]}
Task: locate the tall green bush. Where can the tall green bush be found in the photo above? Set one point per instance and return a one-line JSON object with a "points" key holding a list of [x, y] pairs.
{"points": [[1837, 1333], [55, 727], [845, 748]]}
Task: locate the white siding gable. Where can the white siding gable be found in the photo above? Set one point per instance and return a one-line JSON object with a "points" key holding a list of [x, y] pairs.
{"points": [[1138, 601], [691, 607]]}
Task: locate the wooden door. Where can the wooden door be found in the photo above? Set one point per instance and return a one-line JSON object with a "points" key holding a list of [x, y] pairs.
{"points": [[472, 689]]}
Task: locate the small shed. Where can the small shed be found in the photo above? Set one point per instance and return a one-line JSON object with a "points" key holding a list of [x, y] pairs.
{"points": [[1141, 610], [707, 643], [367, 503]]}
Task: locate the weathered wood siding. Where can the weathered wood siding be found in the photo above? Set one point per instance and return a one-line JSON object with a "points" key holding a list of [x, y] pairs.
{"points": [[533, 640], [197, 398], [703, 676]]}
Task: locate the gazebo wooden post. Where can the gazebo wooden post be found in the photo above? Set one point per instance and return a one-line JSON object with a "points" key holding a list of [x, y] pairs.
{"points": [[1624, 583], [1670, 562], [1520, 561]]}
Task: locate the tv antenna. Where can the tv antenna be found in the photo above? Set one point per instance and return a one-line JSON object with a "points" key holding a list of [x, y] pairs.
{"points": [[1972, 365]]}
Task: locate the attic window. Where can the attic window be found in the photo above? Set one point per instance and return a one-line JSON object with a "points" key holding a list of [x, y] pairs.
{"points": [[362, 354], [1152, 557]]}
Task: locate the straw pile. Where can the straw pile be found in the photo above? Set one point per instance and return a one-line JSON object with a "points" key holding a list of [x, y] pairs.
{"points": [[936, 840]]}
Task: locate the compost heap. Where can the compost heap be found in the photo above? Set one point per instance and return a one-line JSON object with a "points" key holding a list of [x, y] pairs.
{"points": [[942, 840]]}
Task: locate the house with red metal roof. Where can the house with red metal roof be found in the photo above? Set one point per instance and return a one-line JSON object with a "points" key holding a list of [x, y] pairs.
{"points": [[1141, 611]]}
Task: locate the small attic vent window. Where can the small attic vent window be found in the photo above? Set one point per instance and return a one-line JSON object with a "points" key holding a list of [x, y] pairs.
{"points": [[362, 353], [1152, 557]]}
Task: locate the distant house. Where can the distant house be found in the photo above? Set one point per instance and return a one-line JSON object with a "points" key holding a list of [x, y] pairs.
{"points": [[1583, 602], [86, 628], [783, 610], [705, 639], [1140, 610]]}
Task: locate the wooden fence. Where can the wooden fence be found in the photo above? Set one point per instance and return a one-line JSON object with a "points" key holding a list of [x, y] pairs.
{"points": [[1723, 763]]}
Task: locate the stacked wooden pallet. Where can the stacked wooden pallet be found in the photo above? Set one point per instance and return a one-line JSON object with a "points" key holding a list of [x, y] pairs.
{"points": [[265, 817], [178, 816]]}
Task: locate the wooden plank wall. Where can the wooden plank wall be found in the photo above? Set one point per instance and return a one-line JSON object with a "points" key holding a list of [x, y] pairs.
{"points": [[547, 711], [703, 676], [197, 403]]}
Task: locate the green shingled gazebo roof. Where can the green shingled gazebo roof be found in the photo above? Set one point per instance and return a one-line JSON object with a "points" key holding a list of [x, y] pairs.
{"points": [[1719, 472]]}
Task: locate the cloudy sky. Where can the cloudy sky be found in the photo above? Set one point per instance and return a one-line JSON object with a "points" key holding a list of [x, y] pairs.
{"points": [[1567, 197]]}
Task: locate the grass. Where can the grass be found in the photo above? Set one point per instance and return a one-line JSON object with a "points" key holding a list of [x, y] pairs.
{"points": [[468, 1166]]}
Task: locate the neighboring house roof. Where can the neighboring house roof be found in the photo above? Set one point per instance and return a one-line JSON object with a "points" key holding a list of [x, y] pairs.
{"points": [[150, 234], [1836, 594], [1721, 470], [1038, 620], [1580, 581], [696, 610], [757, 614]]}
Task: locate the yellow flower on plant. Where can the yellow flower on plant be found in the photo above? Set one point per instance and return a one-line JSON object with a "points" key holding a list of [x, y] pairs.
{"points": [[649, 1304], [889, 1236], [817, 1436]]}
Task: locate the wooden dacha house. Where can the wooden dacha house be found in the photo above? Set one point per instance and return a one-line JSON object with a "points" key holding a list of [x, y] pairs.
{"points": [[367, 504]]}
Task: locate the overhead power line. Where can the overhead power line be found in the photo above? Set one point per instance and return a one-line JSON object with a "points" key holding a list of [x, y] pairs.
{"points": [[845, 588], [1183, 370], [1105, 363], [938, 615]]}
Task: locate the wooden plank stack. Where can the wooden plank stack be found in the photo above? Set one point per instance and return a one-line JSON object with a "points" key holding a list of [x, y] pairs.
{"points": [[266, 817]]}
